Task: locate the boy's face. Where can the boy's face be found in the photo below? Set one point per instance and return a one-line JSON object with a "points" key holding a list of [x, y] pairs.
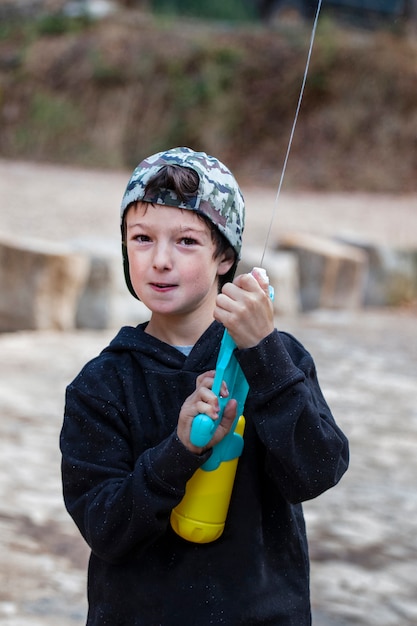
{"points": [[171, 262]]}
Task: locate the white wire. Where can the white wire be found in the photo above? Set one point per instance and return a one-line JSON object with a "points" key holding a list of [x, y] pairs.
{"points": [[313, 34]]}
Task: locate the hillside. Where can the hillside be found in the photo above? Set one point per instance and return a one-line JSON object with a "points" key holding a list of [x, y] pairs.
{"points": [[106, 93]]}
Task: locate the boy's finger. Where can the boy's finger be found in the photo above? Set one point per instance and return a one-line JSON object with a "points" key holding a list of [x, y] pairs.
{"points": [[229, 415], [224, 391], [206, 379], [261, 277], [251, 282]]}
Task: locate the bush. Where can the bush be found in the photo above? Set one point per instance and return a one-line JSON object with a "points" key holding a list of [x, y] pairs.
{"points": [[230, 10]]}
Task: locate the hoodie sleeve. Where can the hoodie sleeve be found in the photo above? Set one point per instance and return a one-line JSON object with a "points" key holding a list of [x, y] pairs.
{"points": [[306, 452], [120, 503]]}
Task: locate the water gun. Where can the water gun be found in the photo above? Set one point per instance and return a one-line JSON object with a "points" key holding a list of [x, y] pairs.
{"points": [[201, 515]]}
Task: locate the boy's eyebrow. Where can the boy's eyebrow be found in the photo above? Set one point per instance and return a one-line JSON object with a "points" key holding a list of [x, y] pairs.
{"points": [[133, 224], [195, 228], [198, 229]]}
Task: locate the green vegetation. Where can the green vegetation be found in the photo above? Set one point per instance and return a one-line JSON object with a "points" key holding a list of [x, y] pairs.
{"points": [[51, 125], [58, 24], [231, 10], [107, 93]]}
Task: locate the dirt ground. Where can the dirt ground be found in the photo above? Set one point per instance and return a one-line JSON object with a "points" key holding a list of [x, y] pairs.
{"points": [[363, 533], [62, 203]]}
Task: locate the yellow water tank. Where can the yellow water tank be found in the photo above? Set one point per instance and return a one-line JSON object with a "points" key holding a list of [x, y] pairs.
{"points": [[201, 515]]}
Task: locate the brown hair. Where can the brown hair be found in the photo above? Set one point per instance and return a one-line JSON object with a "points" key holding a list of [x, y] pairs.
{"points": [[182, 180]]}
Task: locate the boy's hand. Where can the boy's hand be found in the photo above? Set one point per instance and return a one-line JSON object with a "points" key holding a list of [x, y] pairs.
{"points": [[203, 400], [245, 309]]}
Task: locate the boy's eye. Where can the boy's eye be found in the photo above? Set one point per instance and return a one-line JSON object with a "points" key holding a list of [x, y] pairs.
{"points": [[143, 238], [188, 241]]}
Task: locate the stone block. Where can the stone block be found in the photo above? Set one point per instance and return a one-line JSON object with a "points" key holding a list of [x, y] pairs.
{"points": [[282, 269], [392, 275], [332, 273], [105, 301], [40, 284]]}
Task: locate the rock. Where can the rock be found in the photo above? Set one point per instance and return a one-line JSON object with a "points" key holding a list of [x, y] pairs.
{"points": [[40, 285], [105, 301], [392, 276], [332, 273]]}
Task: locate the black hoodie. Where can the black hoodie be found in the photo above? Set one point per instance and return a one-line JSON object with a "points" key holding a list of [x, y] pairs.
{"points": [[124, 470]]}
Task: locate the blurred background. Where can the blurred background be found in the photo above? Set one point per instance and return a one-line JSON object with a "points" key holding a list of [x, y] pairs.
{"points": [[101, 83], [90, 87]]}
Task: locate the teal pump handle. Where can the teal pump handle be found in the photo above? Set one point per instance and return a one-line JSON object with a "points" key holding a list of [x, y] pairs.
{"points": [[203, 426]]}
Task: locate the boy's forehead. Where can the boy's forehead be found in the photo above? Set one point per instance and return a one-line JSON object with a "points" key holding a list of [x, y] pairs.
{"points": [[165, 215]]}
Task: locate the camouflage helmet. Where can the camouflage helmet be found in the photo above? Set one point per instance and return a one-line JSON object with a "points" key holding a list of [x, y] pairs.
{"points": [[218, 196]]}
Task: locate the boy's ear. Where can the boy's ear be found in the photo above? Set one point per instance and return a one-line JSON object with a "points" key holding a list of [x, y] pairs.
{"points": [[226, 262]]}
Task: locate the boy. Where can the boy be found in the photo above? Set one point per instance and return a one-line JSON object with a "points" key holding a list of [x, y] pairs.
{"points": [[125, 441]]}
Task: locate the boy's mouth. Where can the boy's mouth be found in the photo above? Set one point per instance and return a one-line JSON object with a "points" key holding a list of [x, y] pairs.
{"points": [[163, 286]]}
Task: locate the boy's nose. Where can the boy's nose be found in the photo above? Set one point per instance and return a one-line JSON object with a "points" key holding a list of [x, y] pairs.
{"points": [[162, 258]]}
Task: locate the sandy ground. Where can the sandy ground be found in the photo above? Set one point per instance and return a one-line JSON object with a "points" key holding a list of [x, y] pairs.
{"points": [[60, 204], [363, 533]]}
